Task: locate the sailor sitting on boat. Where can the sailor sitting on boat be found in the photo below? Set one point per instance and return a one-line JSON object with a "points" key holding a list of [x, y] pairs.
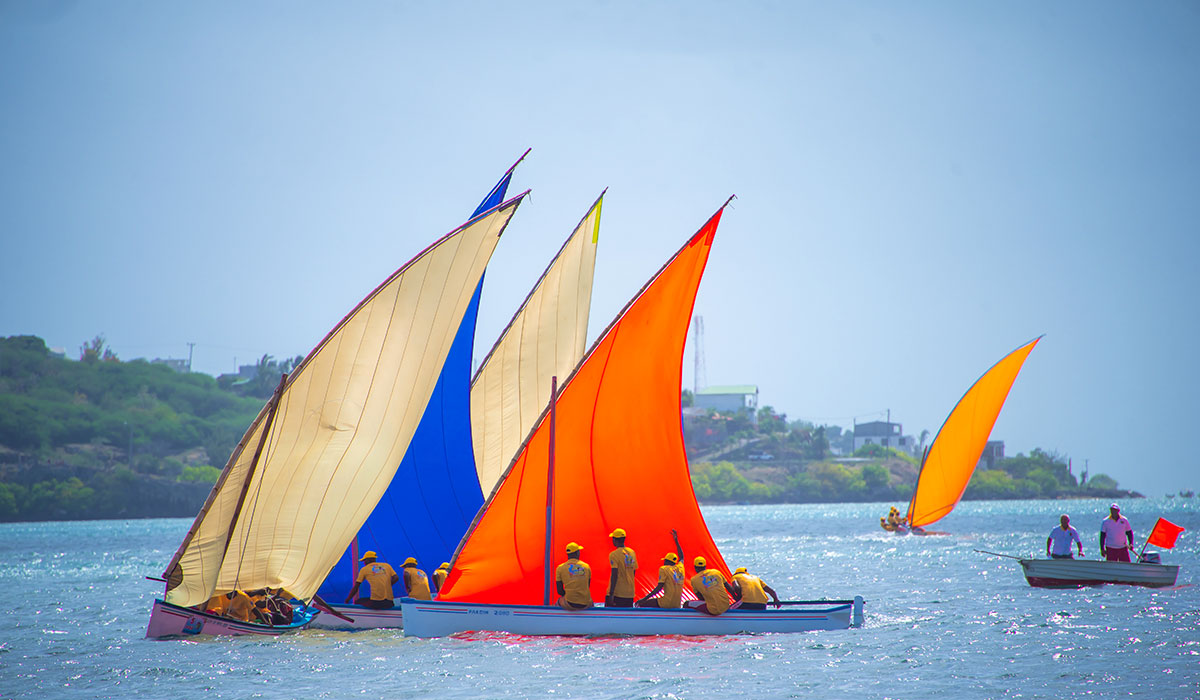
{"points": [[416, 583], [1116, 535], [1058, 544], [622, 563], [711, 588], [670, 581], [573, 578], [380, 576], [751, 590], [439, 576]]}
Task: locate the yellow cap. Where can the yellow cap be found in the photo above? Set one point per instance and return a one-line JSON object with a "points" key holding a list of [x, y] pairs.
{"points": [[740, 570], [445, 565], [572, 547], [671, 557], [367, 555], [617, 533], [410, 560], [700, 561]]}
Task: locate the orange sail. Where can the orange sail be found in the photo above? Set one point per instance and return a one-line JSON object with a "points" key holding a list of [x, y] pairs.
{"points": [[619, 458], [951, 459]]}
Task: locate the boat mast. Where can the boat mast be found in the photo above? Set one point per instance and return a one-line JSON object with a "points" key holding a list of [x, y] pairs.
{"points": [[550, 496]]}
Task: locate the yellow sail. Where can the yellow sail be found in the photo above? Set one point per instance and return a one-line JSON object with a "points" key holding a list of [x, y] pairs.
{"points": [[329, 443], [547, 337], [951, 458]]}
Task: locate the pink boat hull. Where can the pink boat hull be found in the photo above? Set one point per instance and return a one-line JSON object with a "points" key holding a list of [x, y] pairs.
{"points": [[167, 620]]}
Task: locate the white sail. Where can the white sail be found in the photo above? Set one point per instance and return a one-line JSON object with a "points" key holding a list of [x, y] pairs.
{"points": [[546, 337], [343, 421]]}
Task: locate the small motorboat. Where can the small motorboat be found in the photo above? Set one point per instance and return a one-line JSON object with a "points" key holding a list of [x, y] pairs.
{"points": [[1073, 573]]}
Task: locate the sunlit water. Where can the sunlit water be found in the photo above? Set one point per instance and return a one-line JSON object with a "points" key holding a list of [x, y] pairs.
{"points": [[940, 619]]}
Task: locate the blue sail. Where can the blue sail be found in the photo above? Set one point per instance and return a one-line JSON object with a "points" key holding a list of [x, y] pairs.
{"points": [[435, 493]]}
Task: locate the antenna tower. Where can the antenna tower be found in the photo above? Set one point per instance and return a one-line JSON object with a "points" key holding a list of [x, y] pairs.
{"points": [[699, 380]]}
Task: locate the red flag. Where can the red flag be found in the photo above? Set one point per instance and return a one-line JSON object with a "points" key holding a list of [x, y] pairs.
{"points": [[1164, 534]]}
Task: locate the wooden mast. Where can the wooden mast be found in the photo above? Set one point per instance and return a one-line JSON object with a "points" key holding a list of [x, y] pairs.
{"points": [[550, 498]]}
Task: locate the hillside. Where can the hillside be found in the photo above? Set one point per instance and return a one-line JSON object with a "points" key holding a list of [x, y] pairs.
{"points": [[101, 438], [734, 459]]}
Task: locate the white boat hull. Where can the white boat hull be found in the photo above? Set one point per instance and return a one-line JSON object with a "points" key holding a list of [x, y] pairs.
{"points": [[439, 619], [363, 618], [1070, 573], [167, 620]]}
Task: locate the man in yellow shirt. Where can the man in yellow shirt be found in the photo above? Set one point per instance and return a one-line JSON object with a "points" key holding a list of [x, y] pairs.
{"points": [[573, 578], [380, 576], [439, 576], [217, 605], [670, 581], [751, 590], [416, 583], [622, 562], [241, 607], [711, 588]]}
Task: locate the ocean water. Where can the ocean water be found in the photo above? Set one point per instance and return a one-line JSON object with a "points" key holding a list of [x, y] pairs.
{"points": [[941, 620]]}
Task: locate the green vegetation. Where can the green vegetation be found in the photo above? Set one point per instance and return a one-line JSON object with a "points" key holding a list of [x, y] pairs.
{"points": [[735, 459], [103, 438]]}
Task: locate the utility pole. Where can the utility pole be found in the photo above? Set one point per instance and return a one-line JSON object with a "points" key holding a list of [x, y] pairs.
{"points": [[699, 380]]}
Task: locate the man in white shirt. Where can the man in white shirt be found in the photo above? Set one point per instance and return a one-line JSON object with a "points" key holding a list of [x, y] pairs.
{"points": [[1058, 544], [1116, 535]]}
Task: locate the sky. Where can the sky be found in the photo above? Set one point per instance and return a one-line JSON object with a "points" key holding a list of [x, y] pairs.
{"points": [[921, 188]]}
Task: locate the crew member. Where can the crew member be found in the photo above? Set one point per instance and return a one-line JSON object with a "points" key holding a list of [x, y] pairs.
{"points": [[416, 582], [1058, 544], [380, 576], [573, 578], [218, 604], [240, 607], [1116, 535], [751, 590], [711, 588], [622, 562], [670, 581], [439, 576]]}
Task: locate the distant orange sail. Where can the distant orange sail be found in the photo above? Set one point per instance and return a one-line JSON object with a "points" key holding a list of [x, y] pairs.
{"points": [[956, 449], [619, 458]]}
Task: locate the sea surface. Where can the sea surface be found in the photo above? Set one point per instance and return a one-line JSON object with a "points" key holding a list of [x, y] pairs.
{"points": [[941, 621]]}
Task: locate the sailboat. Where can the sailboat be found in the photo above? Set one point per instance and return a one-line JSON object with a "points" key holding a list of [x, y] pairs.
{"points": [[950, 460], [322, 451], [606, 452], [436, 492]]}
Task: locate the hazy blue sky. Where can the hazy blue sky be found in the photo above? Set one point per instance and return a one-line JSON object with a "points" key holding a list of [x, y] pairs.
{"points": [[922, 187]]}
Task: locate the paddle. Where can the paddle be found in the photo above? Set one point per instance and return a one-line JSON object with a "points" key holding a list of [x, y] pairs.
{"points": [[325, 608]]}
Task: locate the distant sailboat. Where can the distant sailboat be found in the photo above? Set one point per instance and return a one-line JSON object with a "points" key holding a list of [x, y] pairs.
{"points": [[950, 460], [321, 453], [607, 452]]}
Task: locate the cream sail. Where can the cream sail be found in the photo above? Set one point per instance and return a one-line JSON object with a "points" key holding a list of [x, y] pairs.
{"points": [[547, 337], [318, 457]]}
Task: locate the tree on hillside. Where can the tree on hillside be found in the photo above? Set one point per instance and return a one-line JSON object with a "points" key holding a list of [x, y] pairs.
{"points": [[267, 374], [771, 422], [95, 350]]}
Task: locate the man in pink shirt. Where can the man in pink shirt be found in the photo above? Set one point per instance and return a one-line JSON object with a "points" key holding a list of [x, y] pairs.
{"points": [[1116, 535]]}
